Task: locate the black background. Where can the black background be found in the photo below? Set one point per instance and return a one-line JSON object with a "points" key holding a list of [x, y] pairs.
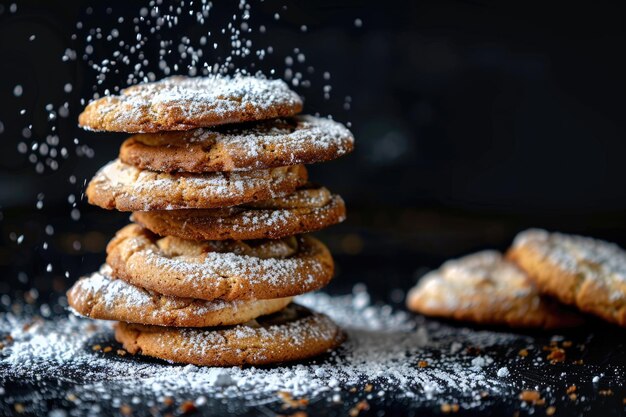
{"points": [[474, 120]]}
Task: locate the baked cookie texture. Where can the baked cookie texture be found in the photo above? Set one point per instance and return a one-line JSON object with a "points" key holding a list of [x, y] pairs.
{"points": [[183, 103], [102, 296], [308, 209], [259, 145], [206, 273], [127, 188], [487, 289], [295, 333], [580, 271], [220, 269]]}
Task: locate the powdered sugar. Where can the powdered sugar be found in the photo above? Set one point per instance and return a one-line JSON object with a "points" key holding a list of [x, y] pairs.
{"points": [[181, 103], [382, 350], [597, 259], [220, 269], [279, 142], [135, 189]]}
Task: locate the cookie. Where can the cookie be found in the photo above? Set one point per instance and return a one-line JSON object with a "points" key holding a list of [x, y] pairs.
{"points": [[101, 296], [184, 103], [127, 188], [293, 334], [266, 144], [487, 289], [308, 209], [219, 269], [580, 271]]}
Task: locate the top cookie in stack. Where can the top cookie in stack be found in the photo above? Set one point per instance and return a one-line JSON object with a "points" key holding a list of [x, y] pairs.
{"points": [[215, 179]]}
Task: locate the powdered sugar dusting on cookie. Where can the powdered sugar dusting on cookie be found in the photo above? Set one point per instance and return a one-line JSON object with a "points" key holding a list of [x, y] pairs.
{"points": [[594, 259], [183, 103], [134, 189], [280, 142], [101, 287]]}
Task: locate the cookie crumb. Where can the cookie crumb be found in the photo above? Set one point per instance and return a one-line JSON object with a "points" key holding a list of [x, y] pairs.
{"points": [[422, 364], [571, 388], [360, 406], [449, 408], [550, 410], [107, 349], [290, 402], [368, 388], [126, 410], [606, 392], [121, 352], [531, 396], [523, 353], [168, 401], [96, 348], [19, 408], [556, 355], [187, 407]]}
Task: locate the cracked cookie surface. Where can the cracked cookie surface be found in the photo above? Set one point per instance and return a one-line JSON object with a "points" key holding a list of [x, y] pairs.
{"points": [[580, 271], [101, 296], [487, 289], [127, 188], [259, 145], [219, 269], [308, 209], [184, 103], [294, 333]]}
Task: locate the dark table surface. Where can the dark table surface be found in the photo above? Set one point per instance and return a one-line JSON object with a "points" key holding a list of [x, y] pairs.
{"points": [[368, 250]]}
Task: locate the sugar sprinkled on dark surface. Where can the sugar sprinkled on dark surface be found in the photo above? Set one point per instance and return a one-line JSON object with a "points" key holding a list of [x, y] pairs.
{"points": [[390, 356]]}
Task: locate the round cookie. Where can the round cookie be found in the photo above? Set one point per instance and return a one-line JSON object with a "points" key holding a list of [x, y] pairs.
{"points": [[184, 103], [587, 273], [219, 269], [101, 296], [127, 188], [486, 289], [293, 334], [266, 144], [310, 208]]}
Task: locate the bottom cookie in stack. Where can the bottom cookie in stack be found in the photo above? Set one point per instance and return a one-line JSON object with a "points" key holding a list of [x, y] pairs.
{"points": [[216, 316], [294, 333]]}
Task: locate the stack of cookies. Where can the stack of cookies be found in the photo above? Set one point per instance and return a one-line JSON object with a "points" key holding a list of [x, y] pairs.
{"points": [[545, 281], [221, 203]]}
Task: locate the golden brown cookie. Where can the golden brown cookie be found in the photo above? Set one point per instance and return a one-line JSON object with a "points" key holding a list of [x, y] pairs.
{"points": [[587, 273], [293, 334], [219, 269], [101, 296], [127, 188], [486, 289], [310, 208], [266, 144], [183, 103]]}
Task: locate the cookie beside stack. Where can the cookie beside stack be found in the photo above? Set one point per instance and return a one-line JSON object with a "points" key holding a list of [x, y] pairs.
{"points": [[221, 203], [540, 283]]}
